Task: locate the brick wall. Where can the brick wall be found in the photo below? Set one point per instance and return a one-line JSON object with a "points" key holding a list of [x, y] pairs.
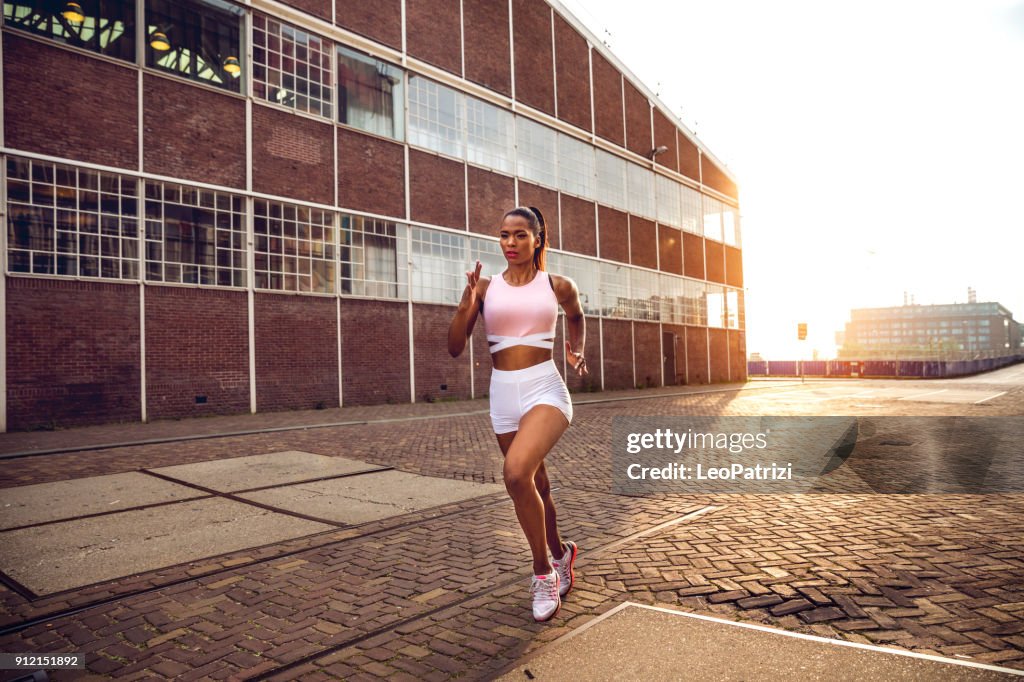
{"points": [[296, 352], [689, 158], [670, 249], [714, 177], [438, 375], [433, 33], [52, 105], [319, 8], [531, 40], [488, 59], [693, 255], [579, 228], [638, 121], [380, 19], [547, 201], [436, 190], [665, 134], [292, 155], [371, 174], [490, 195], [618, 354], [374, 352], [649, 363], [737, 355], [573, 74], [643, 240], [197, 344], [697, 355], [733, 266], [179, 119], [607, 100], [73, 353], [714, 259], [613, 227], [719, 355]]}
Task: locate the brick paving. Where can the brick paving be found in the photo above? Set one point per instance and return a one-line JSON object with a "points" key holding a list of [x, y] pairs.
{"points": [[442, 593]]}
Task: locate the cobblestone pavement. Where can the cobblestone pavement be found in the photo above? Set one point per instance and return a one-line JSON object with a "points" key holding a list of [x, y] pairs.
{"points": [[442, 593]]}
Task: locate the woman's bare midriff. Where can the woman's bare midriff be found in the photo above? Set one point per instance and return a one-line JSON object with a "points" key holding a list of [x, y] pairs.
{"points": [[519, 357]]}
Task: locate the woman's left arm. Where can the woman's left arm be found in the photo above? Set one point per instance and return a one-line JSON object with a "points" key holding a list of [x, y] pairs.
{"points": [[569, 298]]}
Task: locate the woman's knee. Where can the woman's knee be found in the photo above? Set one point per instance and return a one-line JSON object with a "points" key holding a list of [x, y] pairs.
{"points": [[517, 479]]}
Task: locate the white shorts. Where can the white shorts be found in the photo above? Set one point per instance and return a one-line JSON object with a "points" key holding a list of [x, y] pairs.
{"points": [[515, 392]]}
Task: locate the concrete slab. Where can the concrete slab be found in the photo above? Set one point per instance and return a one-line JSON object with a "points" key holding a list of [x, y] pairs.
{"points": [[275, 468], [71, 554], [644, 643], [371, 496], [43, 502]]}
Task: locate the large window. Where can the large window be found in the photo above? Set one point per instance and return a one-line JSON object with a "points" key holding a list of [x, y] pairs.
{"points": [[645, 294], [712, 218], [615, 301], [696, 305], [490, 133], [575, 166], [731, 225], [373, 258], [197, 39], [667, 191], [439, 263], [640, 181], [194, 236], [583, 271], [67, 221], [103, 26], [370, 94], [436, 117], [535, 157], [611, 180], [488, 252], [691, 210], [291, 67], [294, 248]]}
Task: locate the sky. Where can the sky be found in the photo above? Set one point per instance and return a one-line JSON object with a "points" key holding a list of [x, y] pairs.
{"points": [[878, 146]]}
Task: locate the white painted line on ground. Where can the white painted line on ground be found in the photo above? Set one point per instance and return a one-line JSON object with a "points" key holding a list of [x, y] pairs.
{"points": [[837, 642], [978, 402], [921, 395]]}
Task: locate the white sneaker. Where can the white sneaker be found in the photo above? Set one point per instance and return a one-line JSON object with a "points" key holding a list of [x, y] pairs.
{"points": [[564, 568], [546, 601]]}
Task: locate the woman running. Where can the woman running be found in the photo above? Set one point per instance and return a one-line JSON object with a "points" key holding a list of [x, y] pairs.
{"points": [[530, 404]]}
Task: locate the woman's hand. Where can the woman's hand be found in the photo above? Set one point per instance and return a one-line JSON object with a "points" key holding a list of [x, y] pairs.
{"points": [[469, 294], [576, 360]]}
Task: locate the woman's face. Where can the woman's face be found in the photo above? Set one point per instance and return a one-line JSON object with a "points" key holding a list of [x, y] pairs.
{"points": [[517, 240]]}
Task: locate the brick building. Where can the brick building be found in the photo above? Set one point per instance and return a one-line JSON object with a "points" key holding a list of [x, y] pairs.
{"points": [[213, 208], [951, 330]]}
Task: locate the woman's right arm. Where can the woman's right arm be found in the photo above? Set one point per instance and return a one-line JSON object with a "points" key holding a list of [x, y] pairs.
{"points": [[466, 313]]}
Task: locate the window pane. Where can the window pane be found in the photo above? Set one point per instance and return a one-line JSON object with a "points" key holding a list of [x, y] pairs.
{"points": [[489, 135], [106, 26], [575, 166], [615, 301], [291, 67], [692, 219], [611, 180], [712, 218], [668, 201], [641, 190], [371, 251], [197, 39], [307, 236], [535, 147], [370, 94], [436, 117], [439, 261]]}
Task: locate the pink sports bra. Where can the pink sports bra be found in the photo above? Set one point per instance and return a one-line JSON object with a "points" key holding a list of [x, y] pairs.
{"points": [[520, 316]]}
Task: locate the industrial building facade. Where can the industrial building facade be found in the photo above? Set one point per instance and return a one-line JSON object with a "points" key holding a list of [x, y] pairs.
{"points": [[213, 208], [961, 331]]}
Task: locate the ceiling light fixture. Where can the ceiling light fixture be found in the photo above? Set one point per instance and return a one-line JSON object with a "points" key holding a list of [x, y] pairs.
{"points": [[232, 66], [73, 12], [158, 41]]}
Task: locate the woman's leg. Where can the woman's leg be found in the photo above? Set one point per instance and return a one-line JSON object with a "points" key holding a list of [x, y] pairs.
{"points": [[539, 430], [554, 539]]}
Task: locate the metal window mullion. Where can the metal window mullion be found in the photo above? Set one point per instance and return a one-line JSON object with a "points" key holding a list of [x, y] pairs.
{"points": [[337, 298], [3, 275], [412, 356], [251, 296], [140, 222]]}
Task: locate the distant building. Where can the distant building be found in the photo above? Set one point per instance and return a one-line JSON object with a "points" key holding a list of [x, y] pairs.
{"points": [[961, 330]]}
